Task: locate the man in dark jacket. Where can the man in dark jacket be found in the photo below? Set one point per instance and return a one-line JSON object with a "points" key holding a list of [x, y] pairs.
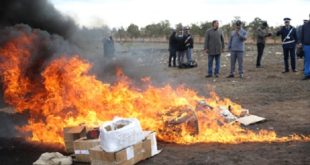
{"points": [[181, 48], [173, 43], [262, 34], [289, 40], [214, 46], [305, 40], [189, 44]]}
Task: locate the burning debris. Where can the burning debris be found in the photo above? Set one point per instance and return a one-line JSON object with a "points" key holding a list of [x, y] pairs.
{"points": [[60, 92]]}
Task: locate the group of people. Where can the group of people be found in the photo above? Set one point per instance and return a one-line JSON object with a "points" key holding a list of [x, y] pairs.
{"points": [[182, 43], [291, 38]]}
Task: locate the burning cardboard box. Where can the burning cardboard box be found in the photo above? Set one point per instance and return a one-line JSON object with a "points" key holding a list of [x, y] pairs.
{"points": [[129, 155], [71, 134], [81, 148]]}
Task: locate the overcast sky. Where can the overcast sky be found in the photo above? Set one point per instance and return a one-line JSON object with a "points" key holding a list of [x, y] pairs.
{"points": [[117, 13]]}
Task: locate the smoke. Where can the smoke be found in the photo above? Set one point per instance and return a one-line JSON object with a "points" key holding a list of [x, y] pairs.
{"points": [[38, 14]]}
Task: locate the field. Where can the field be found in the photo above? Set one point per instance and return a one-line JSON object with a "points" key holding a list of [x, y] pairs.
{"points": [[281, 98]]}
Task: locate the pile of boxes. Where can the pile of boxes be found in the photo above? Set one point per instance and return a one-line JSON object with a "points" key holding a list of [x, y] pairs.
{"points": [[92, 150]]}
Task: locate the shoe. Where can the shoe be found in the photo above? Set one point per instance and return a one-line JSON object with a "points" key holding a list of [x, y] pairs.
{"points": [[208, 76], [230, 76], [306, 78], [295, 70], [258, 66], [169, 65], [285, 71], [216, 75], [241, 76]]}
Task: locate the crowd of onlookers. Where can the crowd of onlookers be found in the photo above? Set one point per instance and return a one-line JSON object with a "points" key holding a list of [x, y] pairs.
{"points": [[294, 41]]}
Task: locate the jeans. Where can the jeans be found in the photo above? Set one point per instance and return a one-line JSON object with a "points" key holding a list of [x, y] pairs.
{"points": [[289, 52], [172, 57], [180, 57], [189, 53], [260, 52], [307, 60], [236, 55], [217, 64]]}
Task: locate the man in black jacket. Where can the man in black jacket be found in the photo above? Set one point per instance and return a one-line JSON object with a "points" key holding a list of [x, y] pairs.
{"points": [[180, 47], [173, 43], [305, 41], [189, 44]]}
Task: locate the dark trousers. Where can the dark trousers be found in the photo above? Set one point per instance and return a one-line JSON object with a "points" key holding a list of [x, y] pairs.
{"points": [[260, 52], [172, 57], [289, 52]]}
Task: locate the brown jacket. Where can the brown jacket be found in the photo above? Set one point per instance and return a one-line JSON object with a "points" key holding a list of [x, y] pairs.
{"points": [[214, 41]]}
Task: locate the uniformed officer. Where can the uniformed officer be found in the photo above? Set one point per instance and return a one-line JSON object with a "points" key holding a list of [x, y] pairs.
{"points": [[289, 40]]}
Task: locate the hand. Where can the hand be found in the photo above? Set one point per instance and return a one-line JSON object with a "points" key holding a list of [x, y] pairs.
{"points": [[299, 45], [206, 50]]}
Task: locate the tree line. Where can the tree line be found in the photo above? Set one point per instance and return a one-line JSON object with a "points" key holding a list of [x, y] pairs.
{"points": [[163, 29]]}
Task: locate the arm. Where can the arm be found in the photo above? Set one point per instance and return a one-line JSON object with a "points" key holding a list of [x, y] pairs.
{"points": [[295, 35], [302, 34], [230, 40], [222, 41], [206, 45], [243, 35]]}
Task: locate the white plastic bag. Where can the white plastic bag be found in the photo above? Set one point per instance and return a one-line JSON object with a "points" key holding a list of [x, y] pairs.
{"points": [[120, 133]]}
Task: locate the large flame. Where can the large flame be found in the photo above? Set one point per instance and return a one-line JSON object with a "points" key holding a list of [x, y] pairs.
{"points": [[67, 95]]}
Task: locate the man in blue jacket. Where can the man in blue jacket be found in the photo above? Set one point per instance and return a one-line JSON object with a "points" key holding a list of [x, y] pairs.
{"points": [[305, 41], [289, 40], [236, 48]]}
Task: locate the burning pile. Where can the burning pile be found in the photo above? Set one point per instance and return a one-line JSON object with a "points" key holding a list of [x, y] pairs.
{"points": [[64, 93]]}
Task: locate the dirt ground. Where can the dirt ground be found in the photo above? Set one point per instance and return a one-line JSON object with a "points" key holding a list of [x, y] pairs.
{"points": [[284, 99]]}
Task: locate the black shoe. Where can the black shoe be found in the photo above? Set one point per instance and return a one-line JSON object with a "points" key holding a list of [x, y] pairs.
{"points": [[208, 76], [259, 66], [230, 76], [306, 78], [216, 75], [285, 71], [169, 65]]}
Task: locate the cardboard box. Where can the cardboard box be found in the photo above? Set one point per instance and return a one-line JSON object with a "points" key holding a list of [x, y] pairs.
{"points": [[81, 148], [128, 156], [71, 134]]}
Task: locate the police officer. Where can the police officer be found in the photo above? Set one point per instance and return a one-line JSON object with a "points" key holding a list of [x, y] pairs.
{"points": [[289, 40]]}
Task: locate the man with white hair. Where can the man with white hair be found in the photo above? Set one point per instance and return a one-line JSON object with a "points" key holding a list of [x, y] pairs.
{"points": [[305, 41]]}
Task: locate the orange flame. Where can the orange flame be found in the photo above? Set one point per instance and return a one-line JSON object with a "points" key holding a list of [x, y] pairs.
{"points": [[68, 95]]}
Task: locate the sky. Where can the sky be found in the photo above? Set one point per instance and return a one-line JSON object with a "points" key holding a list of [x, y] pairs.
{"points": [[117, 13]]}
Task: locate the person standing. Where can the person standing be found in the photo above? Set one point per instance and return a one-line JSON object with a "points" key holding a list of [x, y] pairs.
{"points": [[300, 51], [305, 41], [180, 47], [261, 35], [172, 49], [289, 40], [108, 47], [236, 48], [189, 44], [214, 46]]}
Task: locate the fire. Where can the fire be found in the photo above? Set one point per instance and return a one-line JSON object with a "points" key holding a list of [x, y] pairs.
{"points": [[66, 94]]}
